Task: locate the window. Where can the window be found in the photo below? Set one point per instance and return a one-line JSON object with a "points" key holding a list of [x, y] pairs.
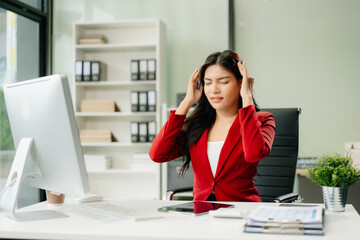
{"points": [[23, 46]]}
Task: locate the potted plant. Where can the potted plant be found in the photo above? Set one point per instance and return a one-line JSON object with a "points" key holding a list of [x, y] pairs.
{"points": [[335, 174]]}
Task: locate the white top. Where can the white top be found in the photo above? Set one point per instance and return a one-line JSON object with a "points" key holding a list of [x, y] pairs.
{"points": [[213, 152]]}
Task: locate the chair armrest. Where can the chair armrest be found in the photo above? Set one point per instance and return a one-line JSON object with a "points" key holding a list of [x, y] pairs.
{"points": [[288, 198], [170, 193]]}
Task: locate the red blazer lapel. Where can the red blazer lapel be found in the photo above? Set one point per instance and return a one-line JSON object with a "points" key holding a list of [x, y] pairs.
{"points": [[203, 157], [231, 140]]}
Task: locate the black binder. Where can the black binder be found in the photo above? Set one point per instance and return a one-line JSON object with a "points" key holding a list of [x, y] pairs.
{"points": [[143, 69], [143, 101], [134, 68], [95, 70], [86, 70], [78, 71], [151, 101], [151, 131], [134, 101], [143, 132], [134, 128], [151, 69]]}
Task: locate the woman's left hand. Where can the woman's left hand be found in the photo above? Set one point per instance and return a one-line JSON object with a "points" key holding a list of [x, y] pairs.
{"points": [[247, 85]]}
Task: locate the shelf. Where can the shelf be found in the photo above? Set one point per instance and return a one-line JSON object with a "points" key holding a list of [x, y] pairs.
{"points": [[117, 144], [104, 84], [116, 114], [116, 47], [123, 171]]}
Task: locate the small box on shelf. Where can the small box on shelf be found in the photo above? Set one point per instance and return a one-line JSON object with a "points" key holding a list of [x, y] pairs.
{"points": [[142, 162], [96, 136], [97, 162], [95, 39], [88, 105]]}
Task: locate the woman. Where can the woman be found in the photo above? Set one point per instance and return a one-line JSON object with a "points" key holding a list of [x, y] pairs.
{"points": [[224, 137]]}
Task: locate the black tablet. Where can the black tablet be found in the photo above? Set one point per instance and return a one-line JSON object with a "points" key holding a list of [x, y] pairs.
{"points": [[195, 207]]}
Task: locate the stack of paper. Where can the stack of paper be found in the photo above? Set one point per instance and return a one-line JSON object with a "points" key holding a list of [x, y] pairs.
{"points": [[98, 106], [295, 219], [96, 136], [92, 39], [97, 162], [142, 162]]}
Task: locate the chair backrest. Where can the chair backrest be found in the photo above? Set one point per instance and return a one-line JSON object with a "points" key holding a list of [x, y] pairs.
{"points": [[276, 173]]}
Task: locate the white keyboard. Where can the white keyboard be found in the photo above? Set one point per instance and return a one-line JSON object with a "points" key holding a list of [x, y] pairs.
{"points": [[118, 211]]}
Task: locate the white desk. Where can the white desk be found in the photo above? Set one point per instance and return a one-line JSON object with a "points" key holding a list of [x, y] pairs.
{"points": [[83, 224]]}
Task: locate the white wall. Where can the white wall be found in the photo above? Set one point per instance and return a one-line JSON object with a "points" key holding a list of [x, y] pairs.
{"points": [[195, 28], [306, 53], [302, 53]]}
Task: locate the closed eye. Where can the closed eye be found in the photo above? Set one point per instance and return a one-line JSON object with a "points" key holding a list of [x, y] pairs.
{"points": [[224, 82]]}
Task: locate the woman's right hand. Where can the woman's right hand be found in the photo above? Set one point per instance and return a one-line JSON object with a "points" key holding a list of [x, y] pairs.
{"points": [[192, 94]]}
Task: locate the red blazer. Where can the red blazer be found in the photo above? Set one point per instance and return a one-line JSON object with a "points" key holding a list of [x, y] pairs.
{"points": [[248, 141]]}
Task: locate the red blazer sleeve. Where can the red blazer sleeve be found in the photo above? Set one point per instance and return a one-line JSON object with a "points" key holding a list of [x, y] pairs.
{"points": [[258, 131], [169, 143]]}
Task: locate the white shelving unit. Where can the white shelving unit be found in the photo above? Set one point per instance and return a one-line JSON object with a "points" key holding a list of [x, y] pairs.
{"points": [[126, 40]]}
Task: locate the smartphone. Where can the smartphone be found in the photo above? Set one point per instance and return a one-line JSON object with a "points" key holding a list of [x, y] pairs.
{"points": [[198, 84]]}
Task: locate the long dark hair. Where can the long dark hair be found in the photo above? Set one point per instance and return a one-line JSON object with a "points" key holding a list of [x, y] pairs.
{"points": [[203, 116]]}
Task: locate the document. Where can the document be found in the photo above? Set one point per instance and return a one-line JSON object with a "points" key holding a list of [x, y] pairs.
{"points": [[286, 220]]}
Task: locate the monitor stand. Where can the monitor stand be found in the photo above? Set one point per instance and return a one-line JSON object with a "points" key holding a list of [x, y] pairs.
{"points": [[9, 199]]}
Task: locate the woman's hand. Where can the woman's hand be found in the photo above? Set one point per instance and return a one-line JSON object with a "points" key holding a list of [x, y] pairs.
{"points": [[247, 85], [192, 94]]}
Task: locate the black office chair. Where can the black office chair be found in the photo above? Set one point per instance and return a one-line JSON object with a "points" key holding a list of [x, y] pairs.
{"points": [[276, 173]]}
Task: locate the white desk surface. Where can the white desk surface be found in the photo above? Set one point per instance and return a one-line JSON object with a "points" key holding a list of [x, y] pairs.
{"points": [[84, 224]]}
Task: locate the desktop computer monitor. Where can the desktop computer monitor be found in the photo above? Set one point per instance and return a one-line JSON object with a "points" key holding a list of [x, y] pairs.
{"points": [[49, 154]]}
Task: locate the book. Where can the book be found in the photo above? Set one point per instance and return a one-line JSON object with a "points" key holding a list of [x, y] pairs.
{"points": [[96, 136], [289, 219]]}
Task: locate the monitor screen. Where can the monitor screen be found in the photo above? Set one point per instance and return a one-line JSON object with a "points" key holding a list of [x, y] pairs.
{"points": [[42, 109]]}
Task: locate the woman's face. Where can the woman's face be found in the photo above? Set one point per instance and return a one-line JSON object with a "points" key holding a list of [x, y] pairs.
{"points": [[221, 88]]}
